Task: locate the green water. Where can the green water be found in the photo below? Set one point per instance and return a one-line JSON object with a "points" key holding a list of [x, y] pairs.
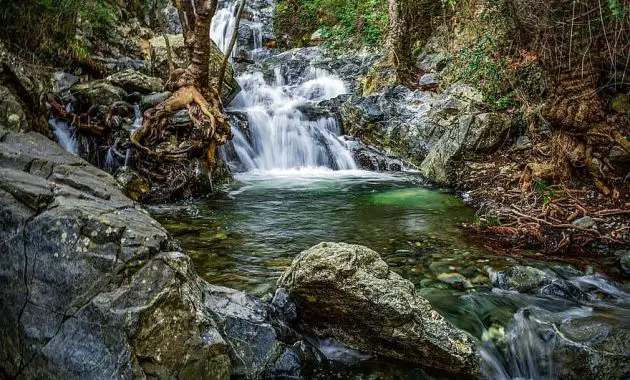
{"points": [[245, 237]]}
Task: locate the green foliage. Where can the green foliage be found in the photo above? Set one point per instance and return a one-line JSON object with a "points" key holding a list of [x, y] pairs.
{"points": [[48, 25], [542, 188], [344, 24], [618, 8]]}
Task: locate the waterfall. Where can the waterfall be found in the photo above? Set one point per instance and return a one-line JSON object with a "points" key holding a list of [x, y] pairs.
{"points": [[65, 135], [286, 130], [137, 118]]}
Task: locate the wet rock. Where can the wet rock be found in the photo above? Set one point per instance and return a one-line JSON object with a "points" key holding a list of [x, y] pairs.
{"points": [[132, 184], [134, 81], [472, 134], [585, 222], [521, 278], [429, 81], [368, 158], [455, 280], [624, 261], [347, 292], [566, 290], [159, 63], [153, 100], [99, 92], [590, 348], [282, 301]]}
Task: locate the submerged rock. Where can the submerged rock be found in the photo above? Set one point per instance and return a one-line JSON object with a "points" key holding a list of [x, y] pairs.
{"points": [[347, 292]]}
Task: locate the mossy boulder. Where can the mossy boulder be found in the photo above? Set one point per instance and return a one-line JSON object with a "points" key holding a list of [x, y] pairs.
{"points": [[347, 292]]}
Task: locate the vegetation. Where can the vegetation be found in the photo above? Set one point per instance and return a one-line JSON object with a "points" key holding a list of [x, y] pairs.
{"points": [[44, 26], [342, 24]]}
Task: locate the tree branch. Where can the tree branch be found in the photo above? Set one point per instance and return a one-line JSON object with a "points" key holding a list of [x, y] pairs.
{"points": [[228, 53]]}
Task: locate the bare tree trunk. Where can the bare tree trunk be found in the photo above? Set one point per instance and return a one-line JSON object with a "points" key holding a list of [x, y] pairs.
{"points": [[200, 43]]}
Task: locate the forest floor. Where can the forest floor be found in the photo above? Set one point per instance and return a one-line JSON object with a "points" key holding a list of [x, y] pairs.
{"points": [[562, 219]]}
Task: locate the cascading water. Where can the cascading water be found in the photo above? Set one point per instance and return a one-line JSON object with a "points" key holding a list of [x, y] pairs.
{"points": [[280, 134], [65, 135]]}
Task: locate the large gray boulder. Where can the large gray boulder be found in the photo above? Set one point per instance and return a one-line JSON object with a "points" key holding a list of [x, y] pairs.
{"points": [[472, 134], [159, 63], [347, 292], [93, 287]]}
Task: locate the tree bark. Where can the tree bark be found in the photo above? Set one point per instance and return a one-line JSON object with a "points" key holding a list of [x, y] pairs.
{"points": [[200, 43]]}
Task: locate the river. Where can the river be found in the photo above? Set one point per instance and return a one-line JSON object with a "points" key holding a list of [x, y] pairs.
{"points": [[296, 185]]}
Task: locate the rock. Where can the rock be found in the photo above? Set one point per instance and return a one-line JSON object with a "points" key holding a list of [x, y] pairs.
{"points": [[134, 81], [570, 348], [153, 100], [12, 115], [620, 103], [93, 287], [564, 289], [63, 81], [347, 292], [472, 134], [455, 280], [585, 222], [98, 92], [521, 278], [159, 64], [624, 261], [429, 81], [132, 184], [465, 92], [432, 62], [368, 158], [523, 142]]}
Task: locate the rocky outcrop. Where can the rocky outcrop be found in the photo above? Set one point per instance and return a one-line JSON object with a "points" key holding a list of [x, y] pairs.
{"points": [[159, 63], [433, 132], [472, 134], [93, 287], [347, 292]]}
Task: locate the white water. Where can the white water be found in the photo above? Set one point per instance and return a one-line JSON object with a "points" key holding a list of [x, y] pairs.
{"points": [[137, 118], [65, 135], [280, 136]]}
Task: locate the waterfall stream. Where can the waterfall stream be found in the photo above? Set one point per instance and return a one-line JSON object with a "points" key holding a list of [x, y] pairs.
{"points": [[280, 134]]}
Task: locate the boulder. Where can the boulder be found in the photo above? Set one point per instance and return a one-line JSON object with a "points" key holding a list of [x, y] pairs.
{"points": [[429, 81], [404, 123], [134, 81], [93, 287], [521, 278], [472, 134], [348, 293], [98, 92], [159, 63]]}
